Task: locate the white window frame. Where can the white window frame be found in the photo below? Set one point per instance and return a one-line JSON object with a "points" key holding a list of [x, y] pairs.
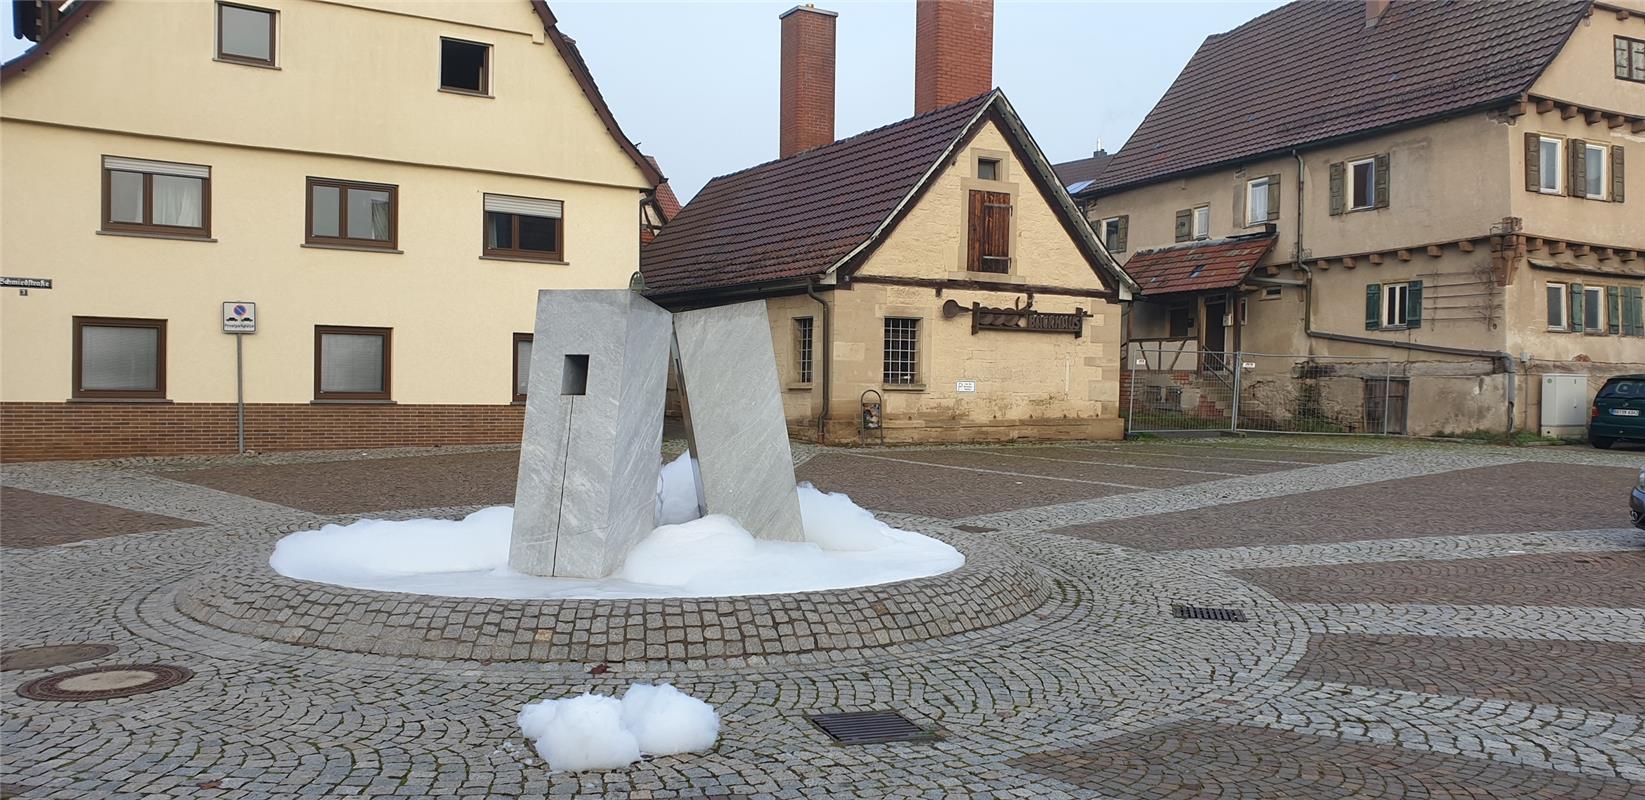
{"points": [[1559, 165], [1564, 306], [1102, 231], [1196, 230], [1593, 297], [1267, 198], [1604, 162], [1353, 183], [1403, 292]]}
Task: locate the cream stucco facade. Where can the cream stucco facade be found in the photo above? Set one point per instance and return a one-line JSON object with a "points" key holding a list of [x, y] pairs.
{"points": [[354, 95], [1459, 220], [1018, 384]]}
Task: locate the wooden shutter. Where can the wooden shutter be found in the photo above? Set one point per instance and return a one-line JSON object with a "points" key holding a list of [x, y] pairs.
{"points": [[1533, 162], [996, 232], [1185, 224], [1576, 308], [1373, 306], [1616, 174], [1579, 167], [1633, 315], [974, 225], [1242, 193], [1613, 319], [1273, 197], [1336, 188], [1381, 181], [1121, 234], [1413, 304]]}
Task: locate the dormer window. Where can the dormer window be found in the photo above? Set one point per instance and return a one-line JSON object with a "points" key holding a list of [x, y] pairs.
{"points": [[465, 66], [245, 34]]}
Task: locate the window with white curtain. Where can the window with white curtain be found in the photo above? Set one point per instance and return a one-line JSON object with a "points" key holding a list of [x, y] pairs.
{"points": [[119, 358], [142, 196], [524, 227], [351, 363], [352, 214], [522, 365]]}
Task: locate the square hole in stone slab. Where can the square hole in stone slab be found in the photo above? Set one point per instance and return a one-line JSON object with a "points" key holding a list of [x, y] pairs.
{"points": [[574, 379]]}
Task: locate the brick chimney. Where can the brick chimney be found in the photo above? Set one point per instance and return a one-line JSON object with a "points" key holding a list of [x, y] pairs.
{"points": [[953, 51], [1374, 9], [807, 115]]}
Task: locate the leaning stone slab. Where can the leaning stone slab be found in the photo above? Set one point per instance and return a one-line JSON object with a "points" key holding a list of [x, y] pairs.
{"points": [[734, 419], [589, 456]]}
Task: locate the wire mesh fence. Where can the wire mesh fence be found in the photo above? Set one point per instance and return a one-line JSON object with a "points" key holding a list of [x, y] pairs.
{"points": [[1170, 387]]}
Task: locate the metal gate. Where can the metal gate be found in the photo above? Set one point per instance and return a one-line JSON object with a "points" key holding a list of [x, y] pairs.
{"points": [[1168, 387]]}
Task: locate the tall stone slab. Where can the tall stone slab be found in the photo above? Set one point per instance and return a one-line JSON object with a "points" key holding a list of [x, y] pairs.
{"points": [[734, 417], [589, 456]]}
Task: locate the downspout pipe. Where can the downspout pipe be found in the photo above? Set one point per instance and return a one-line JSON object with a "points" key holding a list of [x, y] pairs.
{"points": [[826, 380]]}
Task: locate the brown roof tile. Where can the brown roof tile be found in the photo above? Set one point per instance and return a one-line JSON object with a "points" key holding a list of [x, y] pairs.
{"points": [[1197, 266], [1082, 170], [796, 217], [1312, 71]]}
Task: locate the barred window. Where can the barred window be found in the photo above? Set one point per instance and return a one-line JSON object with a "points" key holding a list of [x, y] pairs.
{"points": [[802, 349], [902, 340]]}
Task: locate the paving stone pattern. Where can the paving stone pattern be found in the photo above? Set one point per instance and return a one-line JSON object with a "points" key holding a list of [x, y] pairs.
{"points": [[1446, 654], [32, 519]]}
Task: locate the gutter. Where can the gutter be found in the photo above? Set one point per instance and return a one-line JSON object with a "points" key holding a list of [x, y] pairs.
{"points": [[827, 357]]}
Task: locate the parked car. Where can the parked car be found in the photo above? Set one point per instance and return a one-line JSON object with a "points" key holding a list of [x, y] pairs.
{"points": [[1636, 504], [1618, 413]]}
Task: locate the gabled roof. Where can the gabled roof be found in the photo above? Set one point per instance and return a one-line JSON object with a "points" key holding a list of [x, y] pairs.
{"points": [[1197, 266], [1312, 71], [82, 10], [1082, 172], [803, 217], [664, 199]]}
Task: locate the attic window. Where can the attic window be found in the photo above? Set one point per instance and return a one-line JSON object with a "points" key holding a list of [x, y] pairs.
{"points": [[988, 169], [245, 34], [465, 66], [1630, 59]]}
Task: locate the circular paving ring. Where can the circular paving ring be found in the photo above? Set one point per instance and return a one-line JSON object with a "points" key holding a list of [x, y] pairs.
{"points": [[52, 655], [104, 683]]}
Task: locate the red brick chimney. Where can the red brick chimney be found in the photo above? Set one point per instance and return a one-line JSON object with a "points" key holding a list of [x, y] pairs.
{"points": [[807, 115], [953, 51]]}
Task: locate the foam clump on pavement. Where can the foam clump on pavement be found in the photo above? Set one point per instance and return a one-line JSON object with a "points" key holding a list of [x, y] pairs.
{"points": [[596, 731]]}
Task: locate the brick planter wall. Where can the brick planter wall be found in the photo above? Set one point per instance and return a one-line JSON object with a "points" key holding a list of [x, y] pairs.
{"points": [[55, 431]]}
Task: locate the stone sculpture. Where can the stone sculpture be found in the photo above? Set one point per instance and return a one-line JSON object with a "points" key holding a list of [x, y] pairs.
{"points": [[589, 455]]}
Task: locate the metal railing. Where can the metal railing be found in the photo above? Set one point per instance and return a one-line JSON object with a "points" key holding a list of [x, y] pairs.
{"points": [[1168, 387]]}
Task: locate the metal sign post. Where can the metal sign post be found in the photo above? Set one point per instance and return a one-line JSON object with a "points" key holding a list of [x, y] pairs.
{"points": [[239, 318]]}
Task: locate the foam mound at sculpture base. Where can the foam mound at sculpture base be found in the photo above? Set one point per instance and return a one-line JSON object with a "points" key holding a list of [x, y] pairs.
{"points": [[708, 557]]}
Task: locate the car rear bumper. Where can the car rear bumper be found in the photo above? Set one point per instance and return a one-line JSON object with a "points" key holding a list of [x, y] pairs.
{"points": [[1603, 428], [1636, 508]]}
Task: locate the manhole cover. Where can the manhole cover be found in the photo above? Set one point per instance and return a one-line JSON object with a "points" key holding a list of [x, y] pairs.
{"points": [[52, 655], [104, 683], [1200, 612], [870, 727]]}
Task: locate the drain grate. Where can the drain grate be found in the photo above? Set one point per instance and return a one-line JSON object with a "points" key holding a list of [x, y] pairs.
{"points": [[870, 727], [1181, 611]]}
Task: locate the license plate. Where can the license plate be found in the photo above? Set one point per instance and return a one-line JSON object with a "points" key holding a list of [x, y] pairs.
{"points": [[1625, 412]]}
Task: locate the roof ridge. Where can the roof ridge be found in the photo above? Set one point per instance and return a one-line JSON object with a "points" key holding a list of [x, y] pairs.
{"points": [[840, 142]]}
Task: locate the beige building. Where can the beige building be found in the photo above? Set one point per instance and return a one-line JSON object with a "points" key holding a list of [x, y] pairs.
{"points": [[389, 183], [932, 269], [1376, 194]]}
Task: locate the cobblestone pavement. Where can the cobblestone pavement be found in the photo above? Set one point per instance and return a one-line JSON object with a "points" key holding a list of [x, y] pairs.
{"points": [[1433, 621]]}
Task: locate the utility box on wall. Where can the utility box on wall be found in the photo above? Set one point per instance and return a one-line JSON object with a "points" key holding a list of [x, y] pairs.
{"points": [[1564, 405]]}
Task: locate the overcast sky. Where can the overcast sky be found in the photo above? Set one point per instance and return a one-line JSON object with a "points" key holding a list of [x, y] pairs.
{"points": [[695, 84]]}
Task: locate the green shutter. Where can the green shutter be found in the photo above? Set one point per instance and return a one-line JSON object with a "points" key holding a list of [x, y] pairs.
{"points": [[1576, 308], [1634, 315], [1613, 319], [1373, 306], [1533, 162], [1381, 181], [1617, 183], [1413, 304], [1273, 198], [1579, 167], [1336, 188], [1185, 224]]}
